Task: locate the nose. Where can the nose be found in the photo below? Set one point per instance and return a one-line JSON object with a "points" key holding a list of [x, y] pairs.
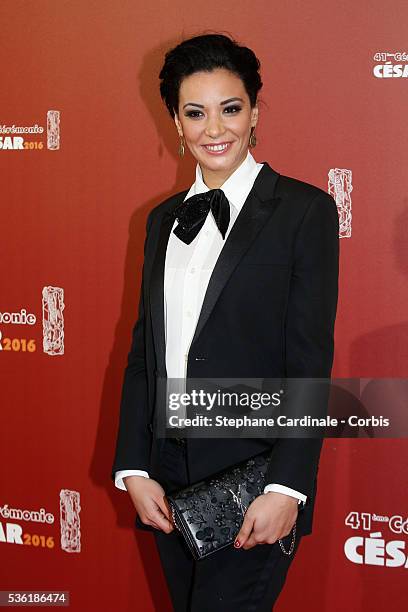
{"points": [[214, 127]]}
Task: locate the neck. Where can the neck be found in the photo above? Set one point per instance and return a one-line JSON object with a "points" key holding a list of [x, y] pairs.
{"points": [[214, 179]]}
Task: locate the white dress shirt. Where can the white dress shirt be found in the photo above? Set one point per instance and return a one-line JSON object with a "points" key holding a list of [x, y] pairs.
{"points": [[188, 268]]}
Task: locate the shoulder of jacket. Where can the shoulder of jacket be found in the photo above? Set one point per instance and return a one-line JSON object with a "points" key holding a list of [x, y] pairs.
{"points": [[290, 188]]}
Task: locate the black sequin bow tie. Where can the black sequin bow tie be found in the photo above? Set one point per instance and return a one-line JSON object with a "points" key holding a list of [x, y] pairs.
{"points": [[192, 213]]}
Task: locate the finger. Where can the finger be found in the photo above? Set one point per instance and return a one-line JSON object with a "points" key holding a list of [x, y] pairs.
{"points": [[162, 521], [164, 507], [250, 542], [146, 521], [167, 514], [274, 535], [244, 532], [283, 533], [256, 536]]}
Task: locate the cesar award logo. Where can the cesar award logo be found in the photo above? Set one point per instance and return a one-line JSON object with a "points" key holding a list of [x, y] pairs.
{"points": [[390, 65], [20, 340], [53, 130], [10, 138], [70, 507], [375, 546], [37, 529], [340, 188], [53, 320]]}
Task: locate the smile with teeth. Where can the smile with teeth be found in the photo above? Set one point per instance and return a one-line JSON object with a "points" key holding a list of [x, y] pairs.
{"points": [[217, 148]]}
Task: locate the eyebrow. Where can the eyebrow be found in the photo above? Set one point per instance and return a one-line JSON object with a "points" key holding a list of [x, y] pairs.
{"points": [[221, 103]]}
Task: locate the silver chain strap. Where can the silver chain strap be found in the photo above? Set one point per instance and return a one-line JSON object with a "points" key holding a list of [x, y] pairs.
{"points": [[292, 544]]}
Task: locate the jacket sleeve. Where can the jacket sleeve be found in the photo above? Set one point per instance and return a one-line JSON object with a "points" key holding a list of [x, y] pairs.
{"points": [[134, 438], [309, 332]]}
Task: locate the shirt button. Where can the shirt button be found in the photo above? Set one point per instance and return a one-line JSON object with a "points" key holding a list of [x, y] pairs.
{"points": [[207, 232], [192, 270], [188, 313]]}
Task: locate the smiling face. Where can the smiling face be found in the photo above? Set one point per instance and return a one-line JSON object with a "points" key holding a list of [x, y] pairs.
{"points": [[215, 117]]}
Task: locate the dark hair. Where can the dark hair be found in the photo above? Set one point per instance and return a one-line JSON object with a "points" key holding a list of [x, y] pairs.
{"points": [[205, 53]]}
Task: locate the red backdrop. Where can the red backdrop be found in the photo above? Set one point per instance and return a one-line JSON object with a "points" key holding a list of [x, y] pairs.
{"points": [[73, 218]]}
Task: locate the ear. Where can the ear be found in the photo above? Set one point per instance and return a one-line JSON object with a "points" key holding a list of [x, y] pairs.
{"points": [[178, 125], [254, 115]]}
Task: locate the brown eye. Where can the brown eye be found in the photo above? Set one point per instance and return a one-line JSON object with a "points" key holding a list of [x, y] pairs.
{"points": [[232, 109], [193, 114]]}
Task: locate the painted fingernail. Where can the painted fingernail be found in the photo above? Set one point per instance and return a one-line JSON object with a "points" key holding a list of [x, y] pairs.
{"points": [[237, 543]]}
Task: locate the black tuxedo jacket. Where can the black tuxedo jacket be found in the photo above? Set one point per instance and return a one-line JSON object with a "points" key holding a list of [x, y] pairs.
{"points": [[269, 311]]}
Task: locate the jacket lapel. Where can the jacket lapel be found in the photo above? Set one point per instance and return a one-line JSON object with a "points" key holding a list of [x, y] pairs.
{"points": [[257, 209], [157, 284]]}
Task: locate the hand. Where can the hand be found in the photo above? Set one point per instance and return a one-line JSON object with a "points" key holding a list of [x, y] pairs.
{"points": [[269, 518], [148, 497]]}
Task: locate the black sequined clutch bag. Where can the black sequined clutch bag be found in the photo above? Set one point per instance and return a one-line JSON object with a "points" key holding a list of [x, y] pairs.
{"points": [[209, 513]]}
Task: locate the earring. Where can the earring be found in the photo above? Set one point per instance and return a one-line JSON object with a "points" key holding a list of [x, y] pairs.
{"points": [[182, 149], [252, 138]]}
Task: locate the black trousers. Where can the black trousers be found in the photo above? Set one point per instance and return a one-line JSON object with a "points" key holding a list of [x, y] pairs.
{"points": [[230, 580]]}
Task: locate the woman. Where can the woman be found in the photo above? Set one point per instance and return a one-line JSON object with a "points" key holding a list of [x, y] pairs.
{"points": [[246, 290]]}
